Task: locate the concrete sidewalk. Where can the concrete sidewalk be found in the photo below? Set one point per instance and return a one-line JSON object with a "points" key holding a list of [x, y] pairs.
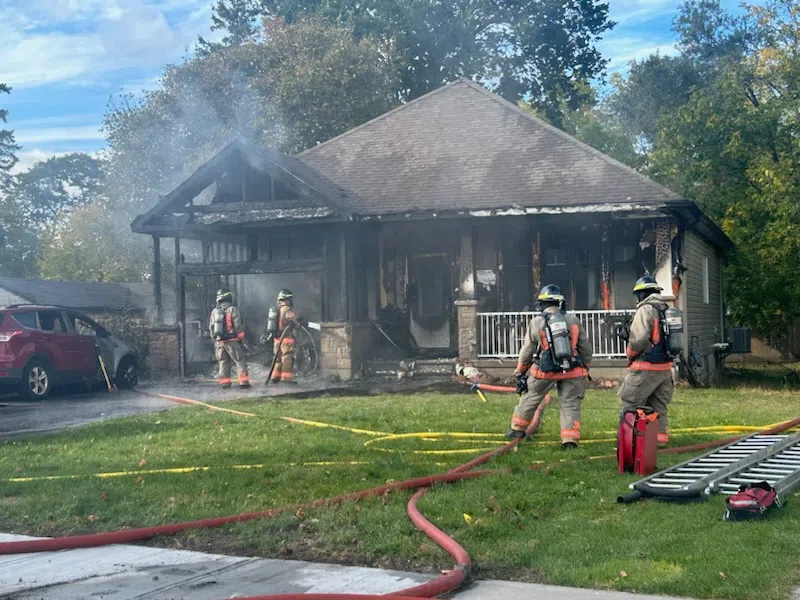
{"points": [[143, 573]]}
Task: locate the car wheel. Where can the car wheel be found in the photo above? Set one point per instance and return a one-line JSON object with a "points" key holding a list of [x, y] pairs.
{"points": [[36, 380], [127, 373]]}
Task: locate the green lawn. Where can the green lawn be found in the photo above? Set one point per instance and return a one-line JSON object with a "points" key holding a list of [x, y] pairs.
{"points": [[560, 525]]}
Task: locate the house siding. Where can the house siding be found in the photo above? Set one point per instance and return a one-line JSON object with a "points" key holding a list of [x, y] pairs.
{"points": [[703, 320]]}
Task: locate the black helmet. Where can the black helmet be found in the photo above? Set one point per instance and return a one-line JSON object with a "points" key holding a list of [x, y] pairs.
{"points": [[645, 286], [224, 293], [285, 295], [551, 293]]}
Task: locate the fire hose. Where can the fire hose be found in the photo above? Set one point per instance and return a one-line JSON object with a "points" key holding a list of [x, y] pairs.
{"points": [[448, 582]]}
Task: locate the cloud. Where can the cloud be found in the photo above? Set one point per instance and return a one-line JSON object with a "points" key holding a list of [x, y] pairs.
{"points": [[58, 134], [45, 42], [622, 50], [629, 12], [27, 158]]}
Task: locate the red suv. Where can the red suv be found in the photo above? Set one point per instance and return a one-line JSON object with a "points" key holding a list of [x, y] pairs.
{"points": [[44, 346]]}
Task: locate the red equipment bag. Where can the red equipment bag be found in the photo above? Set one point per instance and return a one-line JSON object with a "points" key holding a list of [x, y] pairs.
{"points": [[751, 501], [637, 441]]}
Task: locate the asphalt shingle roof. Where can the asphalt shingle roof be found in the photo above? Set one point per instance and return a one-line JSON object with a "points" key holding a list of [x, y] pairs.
{"points": [[464, 148], [76, 295]]}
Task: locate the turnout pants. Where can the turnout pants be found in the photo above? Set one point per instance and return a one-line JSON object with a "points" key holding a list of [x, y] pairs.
{"points": [[570, 394], [284, 363], [651, 389], [228, 353]]}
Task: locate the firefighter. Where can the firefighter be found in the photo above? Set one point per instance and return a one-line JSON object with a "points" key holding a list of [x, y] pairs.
{"points": [[557, 348], [649, 380], [226, 330], [281, 326]]}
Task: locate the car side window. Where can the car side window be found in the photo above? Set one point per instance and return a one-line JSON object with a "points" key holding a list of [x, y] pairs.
{"points": [[52, 321], [81, 327], [26, 319]]}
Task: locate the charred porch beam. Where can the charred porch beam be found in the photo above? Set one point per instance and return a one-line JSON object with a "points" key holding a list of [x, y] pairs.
{"points": [[252, 267], [157, 280]]}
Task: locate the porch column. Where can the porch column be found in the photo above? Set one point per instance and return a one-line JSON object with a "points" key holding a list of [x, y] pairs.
{"points": [[663, 271], [157, 280], [467, 305], [605, 269], [180, 299], [536, 266]]}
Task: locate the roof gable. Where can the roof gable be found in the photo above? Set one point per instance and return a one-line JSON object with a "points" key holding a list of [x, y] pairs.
{"points": [[462, 147], [318, 197]]}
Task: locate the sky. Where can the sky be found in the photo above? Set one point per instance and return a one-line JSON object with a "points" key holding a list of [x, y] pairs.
{"points": [[67, 59]]}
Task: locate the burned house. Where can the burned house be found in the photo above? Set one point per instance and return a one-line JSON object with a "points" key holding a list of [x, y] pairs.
{"points": [[439, 221]]}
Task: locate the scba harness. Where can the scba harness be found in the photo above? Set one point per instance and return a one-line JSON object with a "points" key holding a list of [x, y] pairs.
{"points": [[558, 350]]}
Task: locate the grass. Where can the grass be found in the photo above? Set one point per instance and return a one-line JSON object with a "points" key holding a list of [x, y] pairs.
{"points": [[560, 525]]}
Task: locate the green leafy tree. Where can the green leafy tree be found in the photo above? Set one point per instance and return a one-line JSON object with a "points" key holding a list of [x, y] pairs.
{"points": [[654, 86], [540, 50], [19, 242], [95, 244], [320, 81], [303, 84], [238, 19], [734, 147], [47, 192], [8, 147]]}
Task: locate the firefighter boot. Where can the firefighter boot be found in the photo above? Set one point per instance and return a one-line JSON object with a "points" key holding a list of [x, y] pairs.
{"points": [[514, 434], [569, 446]]}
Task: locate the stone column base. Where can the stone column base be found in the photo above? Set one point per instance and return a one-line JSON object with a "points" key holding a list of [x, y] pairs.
{"points": [[467, 314]]}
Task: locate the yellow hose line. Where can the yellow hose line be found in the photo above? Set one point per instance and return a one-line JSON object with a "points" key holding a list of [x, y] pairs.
{"points": [[198, 403], [480, 394], [173, 471], [329, 426]]}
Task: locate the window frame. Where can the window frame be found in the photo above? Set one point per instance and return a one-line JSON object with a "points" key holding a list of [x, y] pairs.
{"points": [[706, 282]]}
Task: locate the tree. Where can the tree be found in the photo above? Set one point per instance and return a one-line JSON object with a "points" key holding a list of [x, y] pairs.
{"points": [[95, 244], [734, 147], [48, 191], [19, 243], [320, 81], [8, 146], [305, 83], [599, 129], [238, 18], [654, 86], [540, 50]]}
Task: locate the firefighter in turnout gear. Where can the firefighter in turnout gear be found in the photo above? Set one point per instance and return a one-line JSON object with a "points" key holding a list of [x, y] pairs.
{"points": [[226, 330], [283, 323], [649, 380], [556, 353]]}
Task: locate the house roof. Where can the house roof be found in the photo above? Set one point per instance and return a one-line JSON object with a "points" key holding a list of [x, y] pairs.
{"points": [[316, 192], [78, 295], [457, 150], [463, 147]]}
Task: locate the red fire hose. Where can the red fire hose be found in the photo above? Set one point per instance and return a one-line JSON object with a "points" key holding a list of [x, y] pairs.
{"points": [[448, 582]]}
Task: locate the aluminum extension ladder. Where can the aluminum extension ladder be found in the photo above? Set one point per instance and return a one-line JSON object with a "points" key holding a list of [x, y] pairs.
{"points": [[771, 458]]}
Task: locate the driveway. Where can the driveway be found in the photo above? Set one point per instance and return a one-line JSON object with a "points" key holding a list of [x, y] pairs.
{"points": [[18, 417]]}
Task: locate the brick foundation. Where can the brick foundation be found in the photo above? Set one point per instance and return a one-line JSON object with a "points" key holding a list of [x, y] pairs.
{"points": [[164, 352]]}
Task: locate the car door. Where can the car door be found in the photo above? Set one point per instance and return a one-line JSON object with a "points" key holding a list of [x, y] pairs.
{"points": [[55, 336], [84, 343]]}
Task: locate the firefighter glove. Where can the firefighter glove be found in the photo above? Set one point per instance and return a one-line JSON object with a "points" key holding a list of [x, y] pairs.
{"points": [[522, 384]]}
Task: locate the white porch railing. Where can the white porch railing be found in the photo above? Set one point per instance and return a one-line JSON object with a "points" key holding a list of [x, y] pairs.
{"points": [[500, 334]]}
